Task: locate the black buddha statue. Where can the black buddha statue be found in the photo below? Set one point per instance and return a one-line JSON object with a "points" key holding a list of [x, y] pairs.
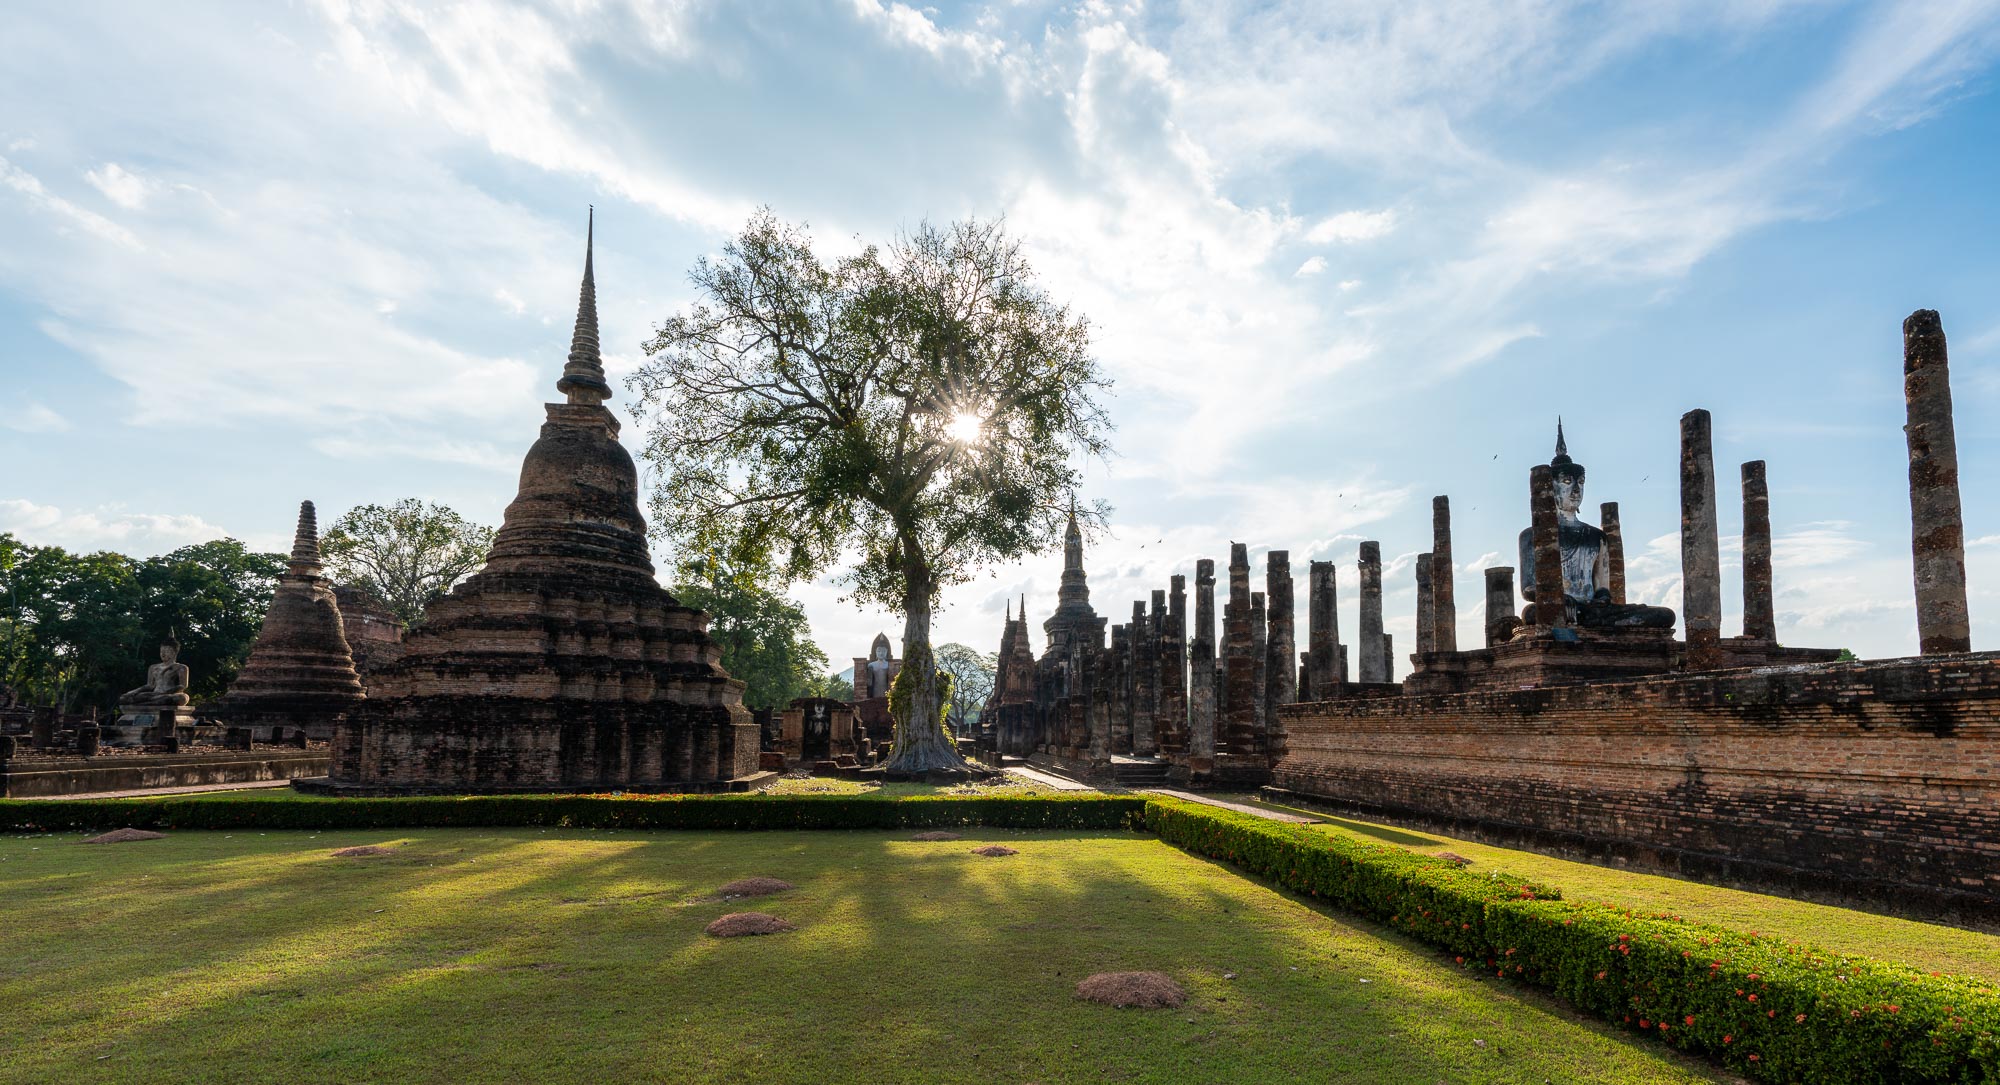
{"points": [[1586, 563]]}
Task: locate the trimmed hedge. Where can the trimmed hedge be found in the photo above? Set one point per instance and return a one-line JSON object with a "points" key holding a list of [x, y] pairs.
{"points": [[748, 812], [1775, 1010]]}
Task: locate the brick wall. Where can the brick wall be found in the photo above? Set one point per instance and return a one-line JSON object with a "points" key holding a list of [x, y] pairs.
{"points": [[1878, 780]]}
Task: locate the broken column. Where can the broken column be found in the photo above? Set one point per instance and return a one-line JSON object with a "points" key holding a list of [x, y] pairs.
{"points": [[1146, 675], [1426, 612], [1614, 549], [1550, 609], [1201, 664], [1444, 604], [1701, 545], [1374, 648], [1260, 646], [1388, 657], [1282, 652], [1323, 610], [1239, 678], [1759, 613], [1121, 699], [1937, 528], [1173, 670], [1500, 618]]}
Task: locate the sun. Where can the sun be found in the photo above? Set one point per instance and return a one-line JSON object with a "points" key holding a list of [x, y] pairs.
{"points": [[965, 428]]}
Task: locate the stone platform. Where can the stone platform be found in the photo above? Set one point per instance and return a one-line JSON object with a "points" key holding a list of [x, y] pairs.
{"points": [[1871, 781], [39, 775], [755, 781]]}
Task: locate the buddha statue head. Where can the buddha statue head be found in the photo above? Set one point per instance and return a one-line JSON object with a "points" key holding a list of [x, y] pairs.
{"points": [[1568, 479]]}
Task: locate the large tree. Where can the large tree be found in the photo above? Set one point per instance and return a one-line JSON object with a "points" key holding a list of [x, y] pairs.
{"points": [[212, 597], [765, 638], [76, 629], [406, 554], [913, 413], [971, 672]]}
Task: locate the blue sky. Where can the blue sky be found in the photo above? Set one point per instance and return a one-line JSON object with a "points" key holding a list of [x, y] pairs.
{"points": [[1338, 257]]}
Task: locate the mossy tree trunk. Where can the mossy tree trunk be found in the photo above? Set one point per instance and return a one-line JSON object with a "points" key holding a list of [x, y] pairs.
{"points": [[916, 703]]}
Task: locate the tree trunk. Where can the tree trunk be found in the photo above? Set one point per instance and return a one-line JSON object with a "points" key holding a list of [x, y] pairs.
{"points": [[921, 745]]}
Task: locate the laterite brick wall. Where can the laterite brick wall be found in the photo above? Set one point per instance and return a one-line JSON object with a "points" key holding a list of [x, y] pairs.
{"points": [[1878, 779]]}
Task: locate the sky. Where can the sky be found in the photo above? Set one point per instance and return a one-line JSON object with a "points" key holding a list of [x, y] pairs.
{"points": [[1337, 259]]}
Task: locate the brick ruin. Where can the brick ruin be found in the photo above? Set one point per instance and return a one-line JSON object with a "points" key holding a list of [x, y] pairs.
{"points": [[562, 664], [1581, 724], [300, 675]]}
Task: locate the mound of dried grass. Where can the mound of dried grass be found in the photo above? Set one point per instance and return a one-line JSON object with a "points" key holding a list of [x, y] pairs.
{"points": [[995, 850], [740, 924], [754, 887], [120, 836], [363, 851], [1144, 990]]}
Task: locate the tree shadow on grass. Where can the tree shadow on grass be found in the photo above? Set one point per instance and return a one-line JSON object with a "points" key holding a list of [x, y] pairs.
{"points": [[578, 956]]}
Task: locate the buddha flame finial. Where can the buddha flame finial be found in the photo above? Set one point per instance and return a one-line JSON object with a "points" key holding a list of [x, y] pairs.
{"points": [[583, 377]]}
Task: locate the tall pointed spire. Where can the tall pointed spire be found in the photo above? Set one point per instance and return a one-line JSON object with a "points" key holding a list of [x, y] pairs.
{"points": [[305, 543], [1562, 448], [583, 377]]}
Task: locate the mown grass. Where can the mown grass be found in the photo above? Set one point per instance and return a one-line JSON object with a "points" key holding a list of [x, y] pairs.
{"points": [[1929, 946], [559, 956]]}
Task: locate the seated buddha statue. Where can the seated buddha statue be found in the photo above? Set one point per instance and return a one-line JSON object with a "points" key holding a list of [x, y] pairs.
{"points": [[1586, 562], [166, 682]]}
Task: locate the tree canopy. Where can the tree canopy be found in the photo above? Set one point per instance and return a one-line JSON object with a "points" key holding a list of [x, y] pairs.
{"points": [[972, 672], [765, 638], [912, 414], [405, 554], [75, 629]]}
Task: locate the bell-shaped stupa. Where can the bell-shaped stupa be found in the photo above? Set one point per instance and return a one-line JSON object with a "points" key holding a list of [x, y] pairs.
{"points": [[562, 665], [300, 674]]}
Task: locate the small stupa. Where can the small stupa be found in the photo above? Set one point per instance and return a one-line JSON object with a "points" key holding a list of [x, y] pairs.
{"points": [[300, 675], [562, 665]]}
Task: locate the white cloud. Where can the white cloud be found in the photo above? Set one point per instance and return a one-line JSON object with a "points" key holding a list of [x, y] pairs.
{"points": [[1352, 226], [121, 186], [138, 534], [1313, 266], [34, 418]]}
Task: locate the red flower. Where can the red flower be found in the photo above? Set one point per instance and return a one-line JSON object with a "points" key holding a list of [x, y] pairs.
{"points": [[1689, 1019], [1728, 1039], [1754, 1058], [1800, 1019]]}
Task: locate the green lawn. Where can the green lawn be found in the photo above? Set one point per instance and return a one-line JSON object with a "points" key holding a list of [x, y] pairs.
{"points": [[561, 955], [1930, 946]]}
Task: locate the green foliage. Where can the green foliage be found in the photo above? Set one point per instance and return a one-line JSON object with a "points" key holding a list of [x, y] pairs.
{"points": [[748, 812], [212, 597], [920, 407], [803, 410], [405, 554], [971, 672], [1773, 1009], [78, 629], [834, 686], [765, 638]]}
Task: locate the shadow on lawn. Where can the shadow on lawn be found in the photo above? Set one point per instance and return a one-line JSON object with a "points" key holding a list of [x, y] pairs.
{"points": [[482, 955]]}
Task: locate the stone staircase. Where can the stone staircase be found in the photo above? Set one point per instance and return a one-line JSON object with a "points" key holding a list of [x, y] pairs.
{"points": [[1139, 772]]}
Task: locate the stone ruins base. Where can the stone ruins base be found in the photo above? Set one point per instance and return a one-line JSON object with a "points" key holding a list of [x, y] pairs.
{"points": [[1857, 783], [42, 776], [756, 781]]}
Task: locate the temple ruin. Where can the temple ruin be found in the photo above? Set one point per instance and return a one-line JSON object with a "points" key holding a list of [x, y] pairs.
{"points": [[300, 676], [1579, 723], [563, 664]]}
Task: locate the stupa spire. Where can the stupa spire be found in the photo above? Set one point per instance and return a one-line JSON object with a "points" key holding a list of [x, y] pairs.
{"points": [[305, 543], [583, 376], [1562, 448]]}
